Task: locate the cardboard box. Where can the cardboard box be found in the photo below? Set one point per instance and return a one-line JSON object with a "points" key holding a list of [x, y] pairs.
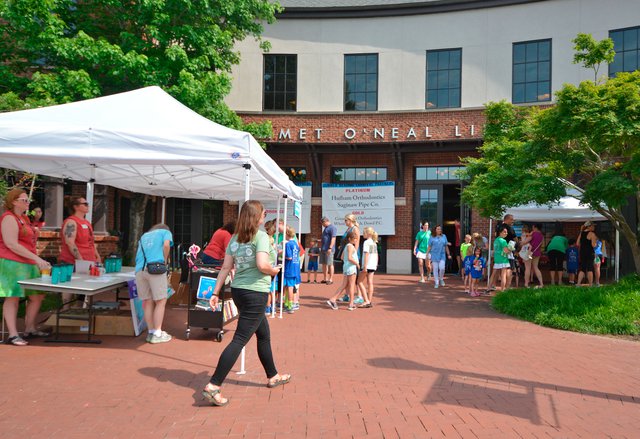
{"points": [[181, 290], [111, 323], [68, 326], [114, 323]]}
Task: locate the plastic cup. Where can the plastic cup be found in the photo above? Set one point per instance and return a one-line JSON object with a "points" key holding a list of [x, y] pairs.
{"points": [[55, 274], [68, 272], [45, 272]]}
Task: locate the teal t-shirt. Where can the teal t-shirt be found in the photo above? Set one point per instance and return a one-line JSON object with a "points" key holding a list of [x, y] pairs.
{"points": [[153, 243], [559, 243], [423, 240], [244, 256], [499, 256]]}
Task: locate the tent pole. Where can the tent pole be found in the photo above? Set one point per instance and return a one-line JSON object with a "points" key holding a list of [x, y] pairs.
{"points": [[247, 183], [489, 256], [163, 215], [617, 257], [273, 298], [90, 190], [300, 243], [284, 243]]}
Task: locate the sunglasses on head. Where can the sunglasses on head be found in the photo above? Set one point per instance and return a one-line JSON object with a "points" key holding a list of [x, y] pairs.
{"points": [[83, 204]]}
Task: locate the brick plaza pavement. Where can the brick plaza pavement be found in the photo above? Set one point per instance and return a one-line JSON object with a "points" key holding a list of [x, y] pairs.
{"points": [[422, 363]]}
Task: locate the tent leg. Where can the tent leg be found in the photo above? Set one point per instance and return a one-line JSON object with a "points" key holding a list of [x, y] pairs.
{"points": [[247, 186], [163, 215], [617, 257], [284, 243], [489, 255], [90, 191]]}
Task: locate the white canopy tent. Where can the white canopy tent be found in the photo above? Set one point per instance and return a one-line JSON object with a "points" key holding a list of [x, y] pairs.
{"points": [[143, 141], [567, 209]]}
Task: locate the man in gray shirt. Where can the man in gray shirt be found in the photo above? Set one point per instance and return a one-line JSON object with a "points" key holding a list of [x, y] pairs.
{"points": [[327, 250]]}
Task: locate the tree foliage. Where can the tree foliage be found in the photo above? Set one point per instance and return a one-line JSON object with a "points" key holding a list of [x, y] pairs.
{"points": [[588, 141], [58, 51]]}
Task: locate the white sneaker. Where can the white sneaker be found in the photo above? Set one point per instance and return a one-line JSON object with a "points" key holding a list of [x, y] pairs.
{"points": [[164, 337], [421, 281], [442, 283], [436, 286]]}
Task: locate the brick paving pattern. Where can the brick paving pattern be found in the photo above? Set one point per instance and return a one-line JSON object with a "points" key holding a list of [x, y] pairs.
{"points": [[421, 363]]}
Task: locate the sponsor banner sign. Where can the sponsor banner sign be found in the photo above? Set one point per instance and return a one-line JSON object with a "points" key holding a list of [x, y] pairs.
{"points": [[373, 204], [305, 210]]}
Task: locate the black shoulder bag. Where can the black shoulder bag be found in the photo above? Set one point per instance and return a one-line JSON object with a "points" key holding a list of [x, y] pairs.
{"points": [[152, 267], [343, 244]]}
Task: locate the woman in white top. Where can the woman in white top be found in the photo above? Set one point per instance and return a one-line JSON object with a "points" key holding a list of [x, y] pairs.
{"points": [[369, 266], [525, 253]]}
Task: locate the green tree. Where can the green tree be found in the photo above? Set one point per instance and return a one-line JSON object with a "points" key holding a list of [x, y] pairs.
{"points": [[588, 141], [58, 51]]}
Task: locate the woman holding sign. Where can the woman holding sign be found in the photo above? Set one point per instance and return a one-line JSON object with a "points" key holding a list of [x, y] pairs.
{"points": [[248, 252]]}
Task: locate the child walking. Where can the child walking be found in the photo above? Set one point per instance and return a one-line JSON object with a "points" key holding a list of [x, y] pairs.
{"points": [[291, 269], [369, 266], [350, 270], [467, 263], [572, 261], [477, 268], [312, 266], [501, 264]]}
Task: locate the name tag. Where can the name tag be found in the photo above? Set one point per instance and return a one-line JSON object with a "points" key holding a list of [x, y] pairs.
{"points": [[85, 226]]}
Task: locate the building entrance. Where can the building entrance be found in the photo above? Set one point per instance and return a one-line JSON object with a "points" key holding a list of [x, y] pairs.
{"points": [[438, 204]]}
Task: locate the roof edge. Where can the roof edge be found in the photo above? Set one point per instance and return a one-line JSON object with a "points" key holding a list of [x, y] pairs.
{"points": [[402, 9]]}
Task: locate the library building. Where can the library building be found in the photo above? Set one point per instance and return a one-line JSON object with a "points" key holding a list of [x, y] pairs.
{"points": [[374, 103]]}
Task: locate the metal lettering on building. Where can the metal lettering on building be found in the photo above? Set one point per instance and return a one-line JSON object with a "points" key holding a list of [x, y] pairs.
{"points": [[382, 133]]}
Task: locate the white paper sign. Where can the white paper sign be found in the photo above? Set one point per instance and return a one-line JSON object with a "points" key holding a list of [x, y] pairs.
{"points": [[271, 208], [373, 204]]}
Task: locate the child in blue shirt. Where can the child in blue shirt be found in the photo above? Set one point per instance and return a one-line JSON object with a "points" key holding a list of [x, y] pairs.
{"points": [[467, 264], [312, 266], [572, 261], [477, 268], [291, 268]]}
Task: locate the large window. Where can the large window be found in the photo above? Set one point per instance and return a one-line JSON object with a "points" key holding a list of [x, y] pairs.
{"points": [[360, 175], [444, 69], [280, 82], [438, 173], [361, 82], [531, 71], [627, 47], [182, 221]]}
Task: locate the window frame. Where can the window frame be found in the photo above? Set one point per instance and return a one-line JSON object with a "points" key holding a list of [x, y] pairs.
{"points": [[426, 79], [637, 49], [355, 169], [286, 74], [344, 80], [513, 73]]}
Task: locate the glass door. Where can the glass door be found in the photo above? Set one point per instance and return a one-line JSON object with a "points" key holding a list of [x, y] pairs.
{"points": [[428, 207]]}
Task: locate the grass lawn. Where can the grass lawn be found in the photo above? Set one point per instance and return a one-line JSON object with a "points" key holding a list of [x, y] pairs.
{"points": [[610, 309]]}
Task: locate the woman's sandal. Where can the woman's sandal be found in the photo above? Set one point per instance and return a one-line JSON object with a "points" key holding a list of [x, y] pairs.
{"points": [[210, 395], [36, 333], [283, 379], [16, 340]]}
